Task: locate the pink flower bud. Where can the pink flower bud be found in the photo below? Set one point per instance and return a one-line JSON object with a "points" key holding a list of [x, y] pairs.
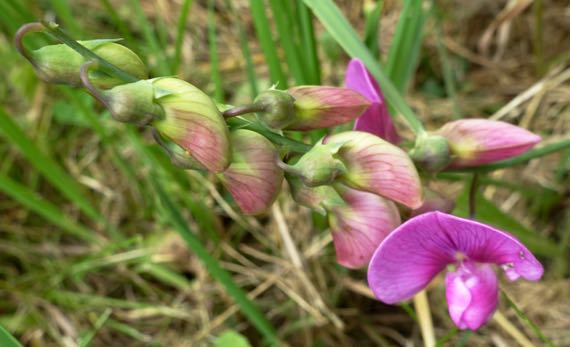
{"points": [[180, 112], [377, 166], [192, 120], [480, 141], [315, 198], [253, 178], [324, 107], [360, 225]]}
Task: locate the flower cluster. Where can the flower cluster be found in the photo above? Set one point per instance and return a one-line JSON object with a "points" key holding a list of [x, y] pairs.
{"points": [[362, 180]]}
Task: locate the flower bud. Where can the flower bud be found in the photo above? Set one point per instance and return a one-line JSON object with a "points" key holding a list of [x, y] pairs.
{"points": [[180, 112], [60, 63], [278, 105], [253, 177], [359, 225], [377, 166], [473, 142], [315, 198], [320, 166], [324, 107], [431, 153]]}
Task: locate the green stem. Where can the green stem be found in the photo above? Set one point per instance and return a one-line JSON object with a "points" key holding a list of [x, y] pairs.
{"points": [[527, 321], [473, 195], [521, 159], [104, 65], [285, 143]]}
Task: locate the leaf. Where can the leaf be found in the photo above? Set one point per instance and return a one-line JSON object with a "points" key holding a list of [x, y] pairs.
{"points": [[230, 338]]}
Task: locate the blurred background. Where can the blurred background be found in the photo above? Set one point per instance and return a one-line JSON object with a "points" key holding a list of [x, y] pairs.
{"points": [[89, 257]]}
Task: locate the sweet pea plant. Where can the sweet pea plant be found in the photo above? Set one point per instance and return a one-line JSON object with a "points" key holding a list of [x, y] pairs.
{"points": [[366, 181]]}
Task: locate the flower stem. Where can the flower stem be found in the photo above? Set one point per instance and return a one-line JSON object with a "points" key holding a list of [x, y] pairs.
{"points": [[244, 109], [527, 321], [19, 37], [421, 305], [473, 195]]}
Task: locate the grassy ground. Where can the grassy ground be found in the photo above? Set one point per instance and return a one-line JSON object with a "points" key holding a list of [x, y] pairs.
{"points": [[91, 254]]}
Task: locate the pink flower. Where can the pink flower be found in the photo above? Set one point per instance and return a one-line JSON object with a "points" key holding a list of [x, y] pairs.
{"points": [[473, 142], [359, 221], [253, 177], [413, 254], [378, 167], [376, 119], [360, 225]]}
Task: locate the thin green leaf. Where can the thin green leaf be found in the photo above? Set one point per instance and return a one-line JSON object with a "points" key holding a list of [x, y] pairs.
{"points": [[180, 31], [119, 23], [339, 28], [371, 28], [151, 39], [44, 208], [447, 69], [308, 43], [7, 340], [230, 338], [64, 12], [47, 166], [85, 341], [249, 309], [405, 46], [214, 60], [285, 29], [263, 30]]}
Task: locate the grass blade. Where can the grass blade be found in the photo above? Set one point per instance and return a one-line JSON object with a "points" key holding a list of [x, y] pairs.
{"points": [[151, 39], [405, 47], [180, 31], [44, 208], [308, 43], [285, 29], [7, 340], [47, 166], [63, 11], [371, 36], [214, 59], [339, 28], [249, 309], [263, 30], [119, 23]]}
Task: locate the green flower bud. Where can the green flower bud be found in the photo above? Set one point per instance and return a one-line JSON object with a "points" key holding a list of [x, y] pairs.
{"points": [[431, 153], [278, 106], [180, 112], [60, 63], [320, 166]]}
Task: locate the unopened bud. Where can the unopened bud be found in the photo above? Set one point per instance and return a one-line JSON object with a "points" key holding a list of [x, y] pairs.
{"points": [[377, 166], [359, 225], [180, 112], [60, 63], [324, 107], [431, 153], [278, 107], [253, 178], [315, 198], [320, 166], [473, 142]]}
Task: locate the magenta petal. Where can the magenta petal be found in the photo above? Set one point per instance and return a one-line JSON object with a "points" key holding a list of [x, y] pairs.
{"points": [[376, 119], [472, 293], [416, 251], [360, 226]]}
